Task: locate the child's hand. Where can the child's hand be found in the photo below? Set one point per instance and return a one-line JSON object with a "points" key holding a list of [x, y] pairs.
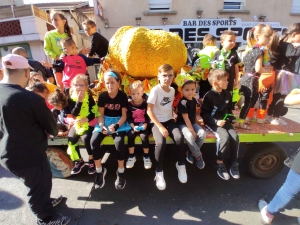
{"points": [[46, 64], [145, 126], [112, 128], [104, 130], [84, 51], [163, 131], [62, 134], [135, 130], [221, 123], [81, 121], [194, 134], [102, 59], [81, 96], [235, 123]]}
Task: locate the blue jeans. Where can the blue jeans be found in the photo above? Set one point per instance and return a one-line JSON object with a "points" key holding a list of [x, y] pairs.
{"points": [[288, 190], [194, 145]]}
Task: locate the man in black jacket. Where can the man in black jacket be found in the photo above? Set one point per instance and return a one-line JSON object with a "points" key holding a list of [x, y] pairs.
{"points": [[25, 122]]}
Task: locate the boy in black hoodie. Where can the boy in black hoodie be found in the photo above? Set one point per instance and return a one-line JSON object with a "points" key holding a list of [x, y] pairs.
{"points": [[218, 118]]}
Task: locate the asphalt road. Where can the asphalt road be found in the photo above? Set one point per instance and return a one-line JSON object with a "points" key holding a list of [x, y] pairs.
{"points": [[204, 199]]}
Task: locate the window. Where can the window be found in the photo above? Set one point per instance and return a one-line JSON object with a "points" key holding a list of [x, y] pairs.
{"points": [[7, 49], [234, 4], [159, 5], [296, 6]]}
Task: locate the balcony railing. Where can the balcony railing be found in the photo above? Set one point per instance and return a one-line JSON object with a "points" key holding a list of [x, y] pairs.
{"points": [[9, 12]]}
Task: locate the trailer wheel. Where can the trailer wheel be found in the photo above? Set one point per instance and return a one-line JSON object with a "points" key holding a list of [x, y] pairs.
{"points": [[264, 160], [60, 163]]}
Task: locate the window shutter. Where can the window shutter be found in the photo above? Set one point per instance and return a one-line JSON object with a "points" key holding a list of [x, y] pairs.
{"points": [[234, 4], [296, 6], [160, 4]]}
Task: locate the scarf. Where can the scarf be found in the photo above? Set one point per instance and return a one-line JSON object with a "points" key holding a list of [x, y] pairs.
{"points": [[223, 57]]}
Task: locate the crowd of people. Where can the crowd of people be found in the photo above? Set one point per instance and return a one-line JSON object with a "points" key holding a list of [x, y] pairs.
{"points": [[77, 114]]}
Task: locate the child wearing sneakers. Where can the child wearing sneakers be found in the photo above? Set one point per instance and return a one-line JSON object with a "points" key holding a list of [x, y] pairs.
{"points": [[186, 120], [289, 53], [218, 118], [83, 107], [112, 106], [138, 120], [160, 111], [227, 58]]}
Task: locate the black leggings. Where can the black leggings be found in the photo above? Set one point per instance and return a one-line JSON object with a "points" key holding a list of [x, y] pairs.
{"points": [[160, 143], [98, 150], [85, 137], [277, 105], [264, 97], [249, 87], [144, 134], [227, 140]]}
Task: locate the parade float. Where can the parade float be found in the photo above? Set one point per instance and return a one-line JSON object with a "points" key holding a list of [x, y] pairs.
{"points": [[136, 53]]}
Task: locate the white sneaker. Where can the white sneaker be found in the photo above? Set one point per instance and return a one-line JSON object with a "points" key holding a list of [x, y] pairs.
{"points": [[266, 216], [130, 162], [181, 173], [160, 181], [269, 118], [282, 122], [278, 121], [275, 122], [147, 163], [260, 120]]}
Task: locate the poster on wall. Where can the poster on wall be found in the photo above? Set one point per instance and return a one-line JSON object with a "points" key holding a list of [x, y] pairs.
{"points": [[192, 31]]}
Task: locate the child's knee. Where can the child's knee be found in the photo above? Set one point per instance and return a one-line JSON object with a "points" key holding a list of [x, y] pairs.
{"points": [[201, 133]]}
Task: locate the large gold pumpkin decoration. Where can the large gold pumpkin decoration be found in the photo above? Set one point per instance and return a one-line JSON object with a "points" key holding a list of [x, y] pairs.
{"points": [[138, 51]]}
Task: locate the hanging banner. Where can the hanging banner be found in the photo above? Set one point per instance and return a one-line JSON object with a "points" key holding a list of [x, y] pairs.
{"points": [[192, 31]]}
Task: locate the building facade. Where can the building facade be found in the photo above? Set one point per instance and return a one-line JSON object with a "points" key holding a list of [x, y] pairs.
{"points": [[165, 14]]}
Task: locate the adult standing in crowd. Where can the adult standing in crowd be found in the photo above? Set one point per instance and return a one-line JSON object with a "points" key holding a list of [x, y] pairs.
{"points": [[36, 65], [291, 186], [24, 124]]}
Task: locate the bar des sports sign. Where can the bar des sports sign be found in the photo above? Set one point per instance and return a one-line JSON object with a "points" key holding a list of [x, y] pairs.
{"points": [[192, 31]]}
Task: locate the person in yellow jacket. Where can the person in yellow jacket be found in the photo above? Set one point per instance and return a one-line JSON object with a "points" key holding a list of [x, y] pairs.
{"points": [[205, 57], [52, 44]]}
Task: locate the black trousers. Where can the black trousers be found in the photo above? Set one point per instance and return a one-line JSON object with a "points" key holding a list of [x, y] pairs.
{"points": [[85, 137], [160, 143], [227, 140], [249, 88], [38, 181], [277, 105], [98, 151], [144, 135]]}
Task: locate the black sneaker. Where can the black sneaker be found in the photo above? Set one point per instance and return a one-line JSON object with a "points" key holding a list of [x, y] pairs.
{"points": [[91, 169], [99, 181], [120, 181], [234, 171], [57, 220], [56, 201], [78, 166], [200, 163], [222, 172]]}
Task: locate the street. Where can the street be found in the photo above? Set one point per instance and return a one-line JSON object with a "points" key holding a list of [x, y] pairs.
{"points": [[204, 199]]}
